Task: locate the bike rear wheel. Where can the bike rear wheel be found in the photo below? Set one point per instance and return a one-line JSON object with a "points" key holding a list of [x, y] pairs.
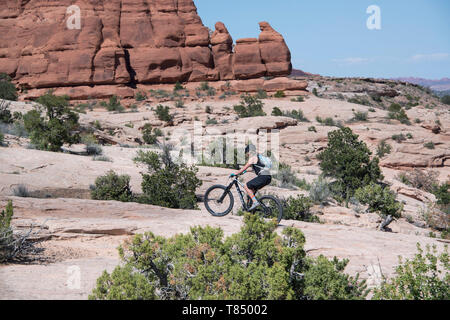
{"points": [[219, 201], [270, 208]]}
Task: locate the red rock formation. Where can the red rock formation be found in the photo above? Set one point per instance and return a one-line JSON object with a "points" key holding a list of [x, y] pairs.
{"points": [[125, 42]]}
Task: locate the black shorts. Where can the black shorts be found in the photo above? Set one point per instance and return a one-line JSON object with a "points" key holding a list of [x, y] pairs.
{"points": [[259, 182]]}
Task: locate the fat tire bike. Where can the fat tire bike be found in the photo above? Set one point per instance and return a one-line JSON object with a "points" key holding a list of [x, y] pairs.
{"points": [[219, 201]]}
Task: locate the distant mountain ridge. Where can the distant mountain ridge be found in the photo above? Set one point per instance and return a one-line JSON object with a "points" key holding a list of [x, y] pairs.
{"points": [[437, 85]]}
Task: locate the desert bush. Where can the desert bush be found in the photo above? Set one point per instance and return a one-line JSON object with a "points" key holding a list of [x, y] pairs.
{"points": [[211, 121], [178, 86], [162, 112], [325, 280], [93, 149], [348, 161], [446, 99], [5, 113], [8, 90], [261, 94], [286, 176], [380, 200], [327, 121], [425, 277], [277, 112], [140, 96], [21, 191], [205, 87], [220, 155], [398, 113], [319, 191], [298, 99], [113, 105], [15, 246], [434, 217], [2, 137], [399, 138], [360, 100], [280, 94], [360, 116], [429, 145], [441, 191], [422, 179], [383, 149], [296, 114], [150, 135], [167, 184], [253, 264], [249, 107], [112, 186], [312, 129], [298, 208], [58, 126]]}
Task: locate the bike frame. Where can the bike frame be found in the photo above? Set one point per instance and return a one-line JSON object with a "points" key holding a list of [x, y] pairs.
{"points": [[241, 192]]}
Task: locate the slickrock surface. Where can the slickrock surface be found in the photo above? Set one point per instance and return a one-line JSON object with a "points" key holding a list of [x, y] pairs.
{"points": [[128, 42], [85, 234]]}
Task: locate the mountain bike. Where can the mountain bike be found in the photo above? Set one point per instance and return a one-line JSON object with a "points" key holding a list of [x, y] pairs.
{"points": [[219, 201]]}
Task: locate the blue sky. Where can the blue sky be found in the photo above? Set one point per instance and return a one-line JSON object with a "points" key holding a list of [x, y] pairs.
{"points": [[330, 37]]}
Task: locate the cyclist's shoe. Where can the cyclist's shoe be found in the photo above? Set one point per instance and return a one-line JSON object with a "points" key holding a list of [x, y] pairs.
{"points": [[255, 205]]}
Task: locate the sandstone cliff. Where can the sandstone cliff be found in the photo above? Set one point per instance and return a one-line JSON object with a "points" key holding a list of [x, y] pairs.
{"points": [[127, 42]]}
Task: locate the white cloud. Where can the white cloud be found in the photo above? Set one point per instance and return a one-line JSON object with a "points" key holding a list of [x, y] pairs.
{"points": [[429, 57]]}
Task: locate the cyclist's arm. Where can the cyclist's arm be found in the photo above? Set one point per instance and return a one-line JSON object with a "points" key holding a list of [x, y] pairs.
{"points": [[251, 161]]}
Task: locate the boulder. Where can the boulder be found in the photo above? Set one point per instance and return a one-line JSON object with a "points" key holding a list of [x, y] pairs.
{"points": [[128, 42]]}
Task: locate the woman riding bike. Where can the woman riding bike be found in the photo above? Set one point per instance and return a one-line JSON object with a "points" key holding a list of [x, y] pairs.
{"points": [[261, 166]]}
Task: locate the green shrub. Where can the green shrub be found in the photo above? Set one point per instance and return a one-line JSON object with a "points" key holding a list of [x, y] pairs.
{"points": [[2, 137], [286, 177], [58, 126], [262, 94], [319, 191], [426, 277], [93, 149], [296, 114], [446, 99], [140, 96], [112, 187], [178, 86], [429, 145], [277, 112], [325, 280], [150, 135], [8, 90], [348, 161], [280, 94], [298, 208], [312, 129], [211, 121], [360, 116], [327, 121], [398, 113], [168, 184], [5, 113], [113, 105], [253, 264], [383, 149], [399, 138], [442, 193], [162, 112], [298, 99], [249, 107], [380, 200]]}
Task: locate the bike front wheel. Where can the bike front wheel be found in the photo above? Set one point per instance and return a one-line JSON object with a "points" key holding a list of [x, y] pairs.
{"points": [[270, 208], [219, 201]]}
